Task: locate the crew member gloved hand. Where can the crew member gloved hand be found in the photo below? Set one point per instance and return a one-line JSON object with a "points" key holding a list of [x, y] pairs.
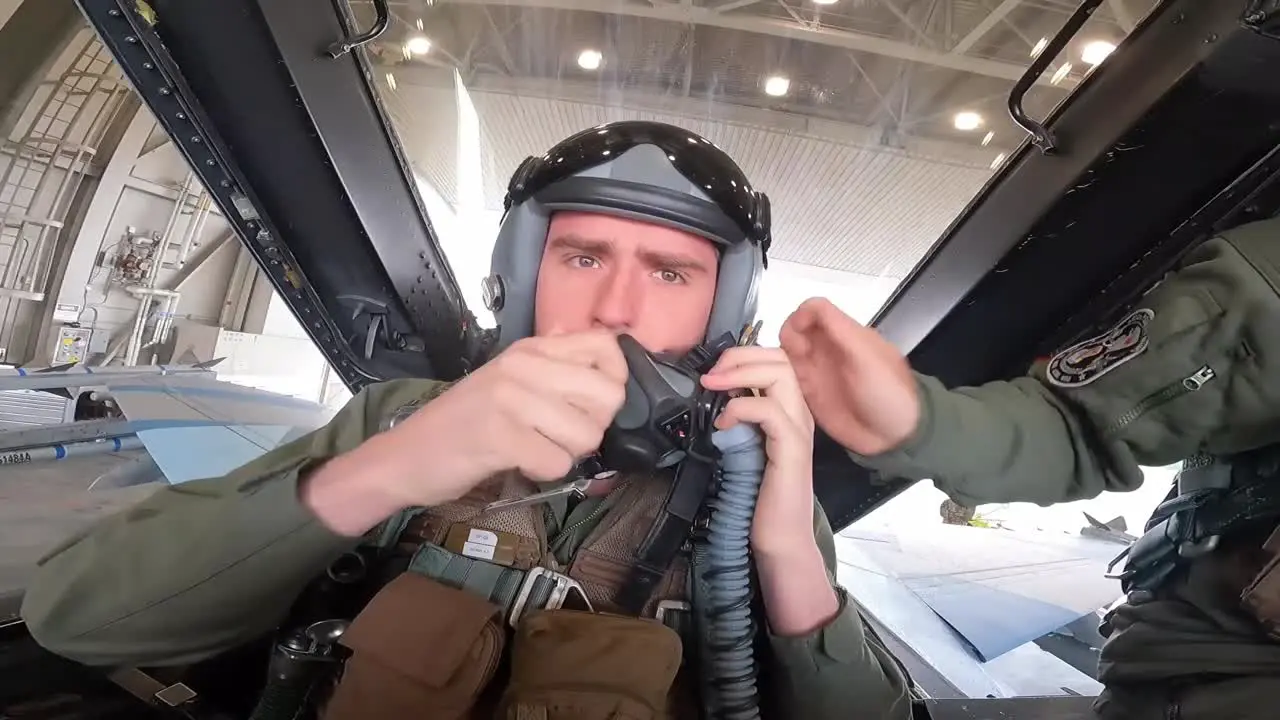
{"points": [[859, 388], [538, 407], [797, 592], [784, 511]]}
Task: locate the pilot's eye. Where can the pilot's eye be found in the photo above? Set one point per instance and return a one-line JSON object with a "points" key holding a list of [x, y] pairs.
{"points": [[584, 261], [670, 276]]}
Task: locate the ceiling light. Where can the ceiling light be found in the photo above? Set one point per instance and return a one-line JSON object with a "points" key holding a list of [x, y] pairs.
{"points": [[418, 45], [986, 139], [1097, 51], [1040, 46], [776, 85], [999, 159], [391, 81], [1061, 74], [824, 2], [967, 120], [419, 24], [590, 59]]}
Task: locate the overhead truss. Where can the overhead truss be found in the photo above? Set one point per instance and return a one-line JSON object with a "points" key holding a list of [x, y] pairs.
{"points": [[721, 16]]}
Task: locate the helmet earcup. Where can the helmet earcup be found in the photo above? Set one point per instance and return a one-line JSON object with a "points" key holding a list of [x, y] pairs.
{"points": [[737, 289], [513, 269]]}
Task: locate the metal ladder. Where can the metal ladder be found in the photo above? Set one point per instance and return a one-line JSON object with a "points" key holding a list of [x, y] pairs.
{"points": [[42, 163]]}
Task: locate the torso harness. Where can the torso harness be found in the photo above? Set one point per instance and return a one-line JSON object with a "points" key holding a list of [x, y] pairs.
{"points": [[666, 421]]}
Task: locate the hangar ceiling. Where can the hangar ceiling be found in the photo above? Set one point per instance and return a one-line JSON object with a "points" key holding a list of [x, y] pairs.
{"points": [[870, 123]]}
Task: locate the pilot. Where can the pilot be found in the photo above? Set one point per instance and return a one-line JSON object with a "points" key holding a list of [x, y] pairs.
{"points": [[1191, 372], [633, 227]]}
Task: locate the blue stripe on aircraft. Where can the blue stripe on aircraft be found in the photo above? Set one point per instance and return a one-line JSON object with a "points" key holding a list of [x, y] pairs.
{"points": [[145, 425]]}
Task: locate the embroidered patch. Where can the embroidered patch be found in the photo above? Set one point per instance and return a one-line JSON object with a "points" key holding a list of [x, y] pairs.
{"points": [[1087, 361]]}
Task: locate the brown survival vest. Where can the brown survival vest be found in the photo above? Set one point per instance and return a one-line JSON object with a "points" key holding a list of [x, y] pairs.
{"points": [[480, 625]]}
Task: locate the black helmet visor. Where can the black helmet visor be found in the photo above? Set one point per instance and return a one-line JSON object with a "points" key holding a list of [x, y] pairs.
{"points": [[703, 164]]}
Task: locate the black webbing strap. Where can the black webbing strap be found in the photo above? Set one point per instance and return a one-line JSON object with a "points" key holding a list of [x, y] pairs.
{"points": [[669, 532], [1259, 500]]}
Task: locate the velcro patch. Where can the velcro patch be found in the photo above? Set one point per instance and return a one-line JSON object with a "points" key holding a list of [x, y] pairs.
{"points": [[1089, 360]]}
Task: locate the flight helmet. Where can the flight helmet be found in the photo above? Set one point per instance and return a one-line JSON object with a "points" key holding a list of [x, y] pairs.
{"points": [[640, 170]]}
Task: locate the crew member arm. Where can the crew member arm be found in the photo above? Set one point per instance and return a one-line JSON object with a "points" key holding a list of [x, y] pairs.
{"points": [[839, 670], [1193, 369], [199, 568]]}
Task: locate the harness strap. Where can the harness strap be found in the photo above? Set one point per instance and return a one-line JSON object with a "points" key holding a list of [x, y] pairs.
{"points": [[1257, 501], [177, 699], [1211, 498], [391, 530], [670, 531], [515, 591]]}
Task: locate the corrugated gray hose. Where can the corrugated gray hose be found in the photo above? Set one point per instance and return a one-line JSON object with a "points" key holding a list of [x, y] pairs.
{"points": [[726, 576]]}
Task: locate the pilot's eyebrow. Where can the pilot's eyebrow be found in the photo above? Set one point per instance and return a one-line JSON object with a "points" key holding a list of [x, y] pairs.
{"points": [[581, 244], [671, 261], [603, 248]]}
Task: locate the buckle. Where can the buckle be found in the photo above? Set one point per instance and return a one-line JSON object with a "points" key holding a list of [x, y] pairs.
{"points": [[1184, 528], [151, 691], [667, 606], [561, 586]]}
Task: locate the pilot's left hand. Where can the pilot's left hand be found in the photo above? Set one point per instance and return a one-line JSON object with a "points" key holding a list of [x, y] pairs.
{"points": [[784, 513]]}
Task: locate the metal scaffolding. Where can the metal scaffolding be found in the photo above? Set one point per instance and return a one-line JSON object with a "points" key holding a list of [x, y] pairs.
{"points": [[42, 165]]}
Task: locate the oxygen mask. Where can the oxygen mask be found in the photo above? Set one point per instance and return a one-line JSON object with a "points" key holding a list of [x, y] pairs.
{"points": [[667, 412]]}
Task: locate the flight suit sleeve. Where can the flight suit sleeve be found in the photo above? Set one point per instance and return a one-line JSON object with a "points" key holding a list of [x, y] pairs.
{"points": [[202, 567], [1191, 368], [840, 670]]}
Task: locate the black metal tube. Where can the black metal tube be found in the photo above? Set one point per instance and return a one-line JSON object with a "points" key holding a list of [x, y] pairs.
{"points": [[1041, 136], [380, 23]]}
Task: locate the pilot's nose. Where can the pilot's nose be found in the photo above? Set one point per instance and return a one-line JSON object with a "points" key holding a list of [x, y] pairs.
{"points": [[617, 301]]}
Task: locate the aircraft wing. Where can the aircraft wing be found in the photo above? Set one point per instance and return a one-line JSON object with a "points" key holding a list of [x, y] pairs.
{"points": [[194, 426], [968, 602]]}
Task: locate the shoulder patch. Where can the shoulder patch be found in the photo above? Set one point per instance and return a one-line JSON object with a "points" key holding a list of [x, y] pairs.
{"points": [[1089, 360]]}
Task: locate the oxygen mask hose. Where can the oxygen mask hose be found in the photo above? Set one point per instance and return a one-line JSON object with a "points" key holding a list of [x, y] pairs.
{"points": [[727, 577]]}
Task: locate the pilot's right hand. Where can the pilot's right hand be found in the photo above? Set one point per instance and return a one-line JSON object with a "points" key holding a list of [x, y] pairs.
{"points": [[538, 407], [858, 386]]}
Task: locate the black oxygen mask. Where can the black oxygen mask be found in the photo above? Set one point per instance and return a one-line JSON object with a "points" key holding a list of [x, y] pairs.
{"points": [[666, 409]]}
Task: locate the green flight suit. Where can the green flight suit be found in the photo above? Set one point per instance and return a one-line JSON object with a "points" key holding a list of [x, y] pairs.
{"points": [[203, 567], [1202, 374]]}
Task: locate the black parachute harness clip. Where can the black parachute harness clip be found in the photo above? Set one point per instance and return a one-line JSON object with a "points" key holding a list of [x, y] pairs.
{"points": [[1173, 535], [1211, 498]]}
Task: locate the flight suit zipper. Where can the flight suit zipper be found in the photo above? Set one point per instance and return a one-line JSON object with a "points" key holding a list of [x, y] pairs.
{"points": [[591, 516], [1167, 394]]}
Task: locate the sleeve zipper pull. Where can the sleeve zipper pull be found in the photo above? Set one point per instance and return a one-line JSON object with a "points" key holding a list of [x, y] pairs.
{"points": [[1199, 378]]}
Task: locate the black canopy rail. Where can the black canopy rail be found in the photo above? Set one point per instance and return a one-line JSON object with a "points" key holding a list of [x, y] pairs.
{"points": [[322, 199]]}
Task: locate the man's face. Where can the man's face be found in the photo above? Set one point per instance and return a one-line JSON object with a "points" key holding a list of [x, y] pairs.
{"points": [[600, 271]]}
